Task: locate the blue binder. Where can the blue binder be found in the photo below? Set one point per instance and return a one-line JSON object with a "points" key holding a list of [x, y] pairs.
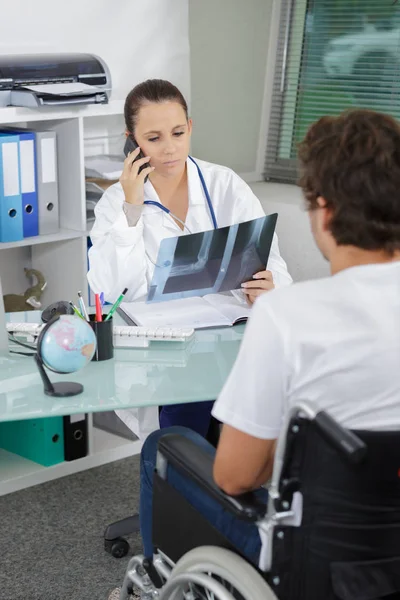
{"points": [[28, 179], [11, 222], [27, 166]]}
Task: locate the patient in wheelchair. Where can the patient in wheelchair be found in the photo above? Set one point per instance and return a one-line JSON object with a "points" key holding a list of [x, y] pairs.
{"points": [[311, 408]]}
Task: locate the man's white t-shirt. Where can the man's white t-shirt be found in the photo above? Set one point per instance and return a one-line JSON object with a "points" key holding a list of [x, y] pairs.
{"points": [[332, 341]]}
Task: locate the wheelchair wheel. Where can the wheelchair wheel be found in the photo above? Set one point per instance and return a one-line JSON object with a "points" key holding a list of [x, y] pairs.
{"points": [[117, 548], [238, 578]]}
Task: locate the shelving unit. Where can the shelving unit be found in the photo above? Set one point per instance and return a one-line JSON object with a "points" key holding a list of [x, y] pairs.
{"points": [[63, 234], [17, 473], [62, 257]]}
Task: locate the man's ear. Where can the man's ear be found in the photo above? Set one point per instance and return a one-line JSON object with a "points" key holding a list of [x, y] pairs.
{"points": [[326, 213]]}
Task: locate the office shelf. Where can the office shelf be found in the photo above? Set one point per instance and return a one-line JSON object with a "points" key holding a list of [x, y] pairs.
{"points": [[18, 114], [62, 256], [17, 473], [62, 234]]}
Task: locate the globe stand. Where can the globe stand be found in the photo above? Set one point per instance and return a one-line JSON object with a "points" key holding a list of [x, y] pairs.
{"points": [[61, 389]]}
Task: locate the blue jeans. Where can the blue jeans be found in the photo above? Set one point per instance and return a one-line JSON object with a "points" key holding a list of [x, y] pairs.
{"points": [[244, 536], [195, 415]]}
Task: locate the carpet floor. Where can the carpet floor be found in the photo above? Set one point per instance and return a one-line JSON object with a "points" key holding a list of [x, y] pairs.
{"points": [[51, 542]]}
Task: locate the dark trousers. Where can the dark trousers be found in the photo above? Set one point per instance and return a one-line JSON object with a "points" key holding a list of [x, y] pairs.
{"points": [[241, 534], [194, 415]]}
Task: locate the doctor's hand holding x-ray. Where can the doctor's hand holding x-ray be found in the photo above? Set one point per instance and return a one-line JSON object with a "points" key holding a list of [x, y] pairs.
{"points": [[263, 282], [173, 195]]}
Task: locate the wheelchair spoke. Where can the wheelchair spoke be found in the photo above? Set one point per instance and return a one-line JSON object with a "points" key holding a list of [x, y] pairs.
{"points": [[210, 595], [199, 593], [215, 574], [195, 593]]}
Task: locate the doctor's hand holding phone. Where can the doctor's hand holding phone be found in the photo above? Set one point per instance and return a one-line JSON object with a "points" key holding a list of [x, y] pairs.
{"points": [[135, 172]]}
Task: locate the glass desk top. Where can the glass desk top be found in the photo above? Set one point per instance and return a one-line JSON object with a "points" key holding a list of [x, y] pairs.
{"points": [[164, 373]]}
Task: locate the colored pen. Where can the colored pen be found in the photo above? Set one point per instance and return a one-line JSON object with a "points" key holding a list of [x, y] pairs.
{"points": [[76, 311], [116, 304], [102, 298], [99, 317], [82, 306]]}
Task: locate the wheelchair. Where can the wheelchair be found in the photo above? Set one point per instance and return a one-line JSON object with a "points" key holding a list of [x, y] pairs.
{"points": [[330, 530]]}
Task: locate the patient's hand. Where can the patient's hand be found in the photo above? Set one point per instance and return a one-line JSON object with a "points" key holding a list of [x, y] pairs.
{"points": [[263, 282]]}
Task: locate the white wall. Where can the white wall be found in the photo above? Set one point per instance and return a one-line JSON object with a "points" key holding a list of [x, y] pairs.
{"points": [[296, 243], [229, 49], [138, 39], [228, 53]]}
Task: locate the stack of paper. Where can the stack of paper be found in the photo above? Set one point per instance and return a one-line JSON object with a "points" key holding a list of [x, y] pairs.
{"points": [[103, 166], [212, 310], [95, 188], [64, 89]]}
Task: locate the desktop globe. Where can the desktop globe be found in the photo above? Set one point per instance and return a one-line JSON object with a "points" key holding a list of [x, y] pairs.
{"points": [[65, 345]]}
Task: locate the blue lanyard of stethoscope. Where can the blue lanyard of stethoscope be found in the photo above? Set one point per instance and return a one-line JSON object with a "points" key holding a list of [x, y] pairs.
{"points": [[207, 195]]}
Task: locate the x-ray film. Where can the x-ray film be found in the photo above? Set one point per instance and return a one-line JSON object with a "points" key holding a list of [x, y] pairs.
{"points": [[211, 261]]}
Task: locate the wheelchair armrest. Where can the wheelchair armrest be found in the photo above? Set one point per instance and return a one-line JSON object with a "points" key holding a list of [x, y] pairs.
{"points": [[193, 462], [344, 440]]}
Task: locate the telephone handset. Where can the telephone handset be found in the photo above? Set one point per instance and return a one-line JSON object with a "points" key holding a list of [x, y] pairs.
{"points": [[130, 146]]}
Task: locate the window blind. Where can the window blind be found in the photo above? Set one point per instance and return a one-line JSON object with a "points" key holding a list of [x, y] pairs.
{"points": [[331, 55]]}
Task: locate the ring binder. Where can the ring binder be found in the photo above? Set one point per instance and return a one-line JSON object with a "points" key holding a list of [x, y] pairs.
{"points": [[75, 436]]}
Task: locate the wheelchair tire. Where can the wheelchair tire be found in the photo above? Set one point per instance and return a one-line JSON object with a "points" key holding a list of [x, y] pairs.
{"points": [[227, 566]]}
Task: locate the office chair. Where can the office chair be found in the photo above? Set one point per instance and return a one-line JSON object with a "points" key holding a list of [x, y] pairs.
{"points": [[331, 529], [114, 535]]}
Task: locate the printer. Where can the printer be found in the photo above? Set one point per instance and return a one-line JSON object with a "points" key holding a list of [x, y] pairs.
{"points": [[35, 80]]}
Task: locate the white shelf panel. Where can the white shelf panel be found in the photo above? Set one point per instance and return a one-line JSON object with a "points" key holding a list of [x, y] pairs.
{"points": [[17, 473], [17, 114], [63, 234]]}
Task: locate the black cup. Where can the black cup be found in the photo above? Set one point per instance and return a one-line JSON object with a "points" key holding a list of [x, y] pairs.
{"points": [[103, 331]]}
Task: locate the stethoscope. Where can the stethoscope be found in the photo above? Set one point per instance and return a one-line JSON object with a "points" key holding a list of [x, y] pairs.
{"points": [[207, 195]]}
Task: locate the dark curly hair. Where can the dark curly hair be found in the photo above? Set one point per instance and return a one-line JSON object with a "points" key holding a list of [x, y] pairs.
{"points": [[353, 162]]}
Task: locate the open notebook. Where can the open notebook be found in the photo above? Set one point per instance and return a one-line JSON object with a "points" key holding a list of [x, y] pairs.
{"points": [[212, 310]]}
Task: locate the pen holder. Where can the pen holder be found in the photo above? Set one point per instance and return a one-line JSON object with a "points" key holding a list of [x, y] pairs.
{"points": [[103, 331]]}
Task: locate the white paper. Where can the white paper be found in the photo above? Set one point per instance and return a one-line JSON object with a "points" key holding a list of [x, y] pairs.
{"points": [[93, 188], [229, 305], [27, 161], [48, 150], [187, 312], [10, 168], [64, 89], [103, 167]]}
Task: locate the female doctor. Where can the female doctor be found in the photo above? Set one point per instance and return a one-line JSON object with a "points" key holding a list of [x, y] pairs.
{"points": [[167, 193]]}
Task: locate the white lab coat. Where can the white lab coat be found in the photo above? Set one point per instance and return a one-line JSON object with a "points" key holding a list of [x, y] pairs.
{"points": [[119, 257]]}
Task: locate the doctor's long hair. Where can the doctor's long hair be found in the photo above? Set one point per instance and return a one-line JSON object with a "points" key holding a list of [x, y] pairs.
{"points": [[151, 90]]}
